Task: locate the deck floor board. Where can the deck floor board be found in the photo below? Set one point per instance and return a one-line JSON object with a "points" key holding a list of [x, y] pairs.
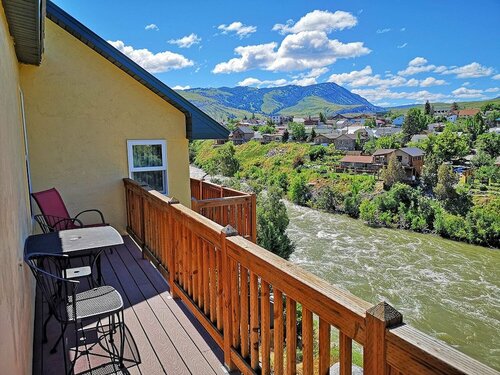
{"points": [[168, 337]]}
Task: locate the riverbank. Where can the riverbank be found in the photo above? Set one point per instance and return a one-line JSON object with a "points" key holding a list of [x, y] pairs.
{"points": [[307, 174], [448, 289]]}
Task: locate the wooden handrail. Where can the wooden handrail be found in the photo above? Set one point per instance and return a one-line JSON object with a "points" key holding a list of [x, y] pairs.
{"points": [[248, 300], [226, 206]]}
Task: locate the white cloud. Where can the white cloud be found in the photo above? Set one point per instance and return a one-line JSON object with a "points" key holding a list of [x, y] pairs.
{"points": [[319, 20], [364, 77], [463, 92], [378, 94], [496, 76], [152, 26], [472, 70], [417, 61], [304, 50], [419, 65], [492, 89], [403, 29], [186, 41], [153, 62], [178, 87], [383, 31], [402, 45], [466, 83], [267, 83], [238, 28], [431, 81]]}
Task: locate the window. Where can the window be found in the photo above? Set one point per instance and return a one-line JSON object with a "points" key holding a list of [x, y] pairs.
{"points": [[147, 163]]}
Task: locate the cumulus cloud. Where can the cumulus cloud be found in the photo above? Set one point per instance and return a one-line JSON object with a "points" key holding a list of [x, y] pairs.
{"points": [[496, 76], [402, 45], [472, 70], [379, 94], [153, 62], [383, 31], [263, 83], [186, 41], [319, 20], [304, 50], [178, 87], [237, 28], [152, 26], [463, 92], [303, 79], [365, 77], [492, 89], [431, 81]]}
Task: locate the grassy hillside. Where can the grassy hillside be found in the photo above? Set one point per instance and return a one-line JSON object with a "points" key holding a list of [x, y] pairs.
{"points": [[213, 108], [461, 105], [313, 105]]}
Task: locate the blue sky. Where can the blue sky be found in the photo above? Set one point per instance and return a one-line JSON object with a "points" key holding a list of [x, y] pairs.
{"points": [[390, 52]]}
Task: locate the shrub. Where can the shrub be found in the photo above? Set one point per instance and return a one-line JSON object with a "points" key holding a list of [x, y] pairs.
{"points": [[299, 192], [317, 152]]}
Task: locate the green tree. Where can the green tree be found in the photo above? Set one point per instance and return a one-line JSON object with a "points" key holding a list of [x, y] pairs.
{"points": [[266, 129], [427, 108], [299, 192], [454, 106], [322, 118], [286, 136], [311, 136], [489, 143], [394, 172], [317, 152], [371, 123], [298, 131], [450, 145], [414, 123], [429, 172], [455, 199], [272, 221], [225, 161]]}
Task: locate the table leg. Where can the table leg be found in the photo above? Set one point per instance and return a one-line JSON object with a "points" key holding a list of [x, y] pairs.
{"points": [[99, 271]]}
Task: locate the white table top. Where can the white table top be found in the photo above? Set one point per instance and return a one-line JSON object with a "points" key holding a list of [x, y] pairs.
{"points": [[89, 238]]}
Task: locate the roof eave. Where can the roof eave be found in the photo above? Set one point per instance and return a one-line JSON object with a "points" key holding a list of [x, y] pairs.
{"points": [[199, 125]]}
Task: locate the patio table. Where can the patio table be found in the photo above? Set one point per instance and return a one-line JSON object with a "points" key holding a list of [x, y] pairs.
{"points": [[74, 243]]}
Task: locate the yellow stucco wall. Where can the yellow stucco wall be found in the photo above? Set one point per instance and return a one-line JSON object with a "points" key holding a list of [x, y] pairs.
{"points": [[81, 110], [16, 282]]}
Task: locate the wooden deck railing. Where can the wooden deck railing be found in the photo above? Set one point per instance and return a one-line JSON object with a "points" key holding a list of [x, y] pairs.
{"points": [[226, 206], [263, 310]]}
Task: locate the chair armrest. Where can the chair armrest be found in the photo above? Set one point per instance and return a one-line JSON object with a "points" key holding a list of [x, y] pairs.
{"points": [[72, 220], [93, 210], [49, 223]]}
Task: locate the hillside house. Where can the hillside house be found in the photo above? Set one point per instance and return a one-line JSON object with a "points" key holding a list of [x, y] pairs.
{"points": [[398, 121], [451, 118], [411, 158], [276, 119], [381, 156], [324, 139], [345, 142], [358, 163], [242, 134], [467, 113], [442, 112]]}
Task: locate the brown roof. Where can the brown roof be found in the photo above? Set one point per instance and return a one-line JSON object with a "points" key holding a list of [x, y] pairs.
{"points": [[366, 159], [468, 112], [384, 151]]}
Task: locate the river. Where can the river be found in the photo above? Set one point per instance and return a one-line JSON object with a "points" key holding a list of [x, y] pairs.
{"points": [[447, 289]]}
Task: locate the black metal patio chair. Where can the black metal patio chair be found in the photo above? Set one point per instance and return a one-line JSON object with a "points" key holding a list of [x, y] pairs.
{"points": [[71, 308]]}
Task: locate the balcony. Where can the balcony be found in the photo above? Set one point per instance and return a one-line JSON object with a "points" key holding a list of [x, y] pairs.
{"points": [[203, 299]]}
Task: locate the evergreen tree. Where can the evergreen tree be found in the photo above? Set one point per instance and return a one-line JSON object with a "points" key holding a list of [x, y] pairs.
{"points": [[454, 106], [299, 191], [286, 136], [427, 108], [322, 118], [394, 172], [413, 124], [312, 136], [298, 131], [272, 221]]}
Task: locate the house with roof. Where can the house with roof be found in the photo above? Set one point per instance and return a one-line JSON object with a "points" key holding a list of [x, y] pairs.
{"points": [[411, 158], [79, 115], [398, 121], [382, 155], [467, 113], [325, 139], [242, 134], [358, 163], [451, 118], [345, 142]]}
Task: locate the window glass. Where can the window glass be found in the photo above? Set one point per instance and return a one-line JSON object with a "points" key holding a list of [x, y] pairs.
{"points": [[147, 163]]}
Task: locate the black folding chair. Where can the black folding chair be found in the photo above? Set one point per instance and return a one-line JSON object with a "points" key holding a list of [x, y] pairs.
{"points": [[70, 307]]}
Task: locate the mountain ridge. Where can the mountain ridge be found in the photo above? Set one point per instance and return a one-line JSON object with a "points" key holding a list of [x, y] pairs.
{"points": [[328, 98]]}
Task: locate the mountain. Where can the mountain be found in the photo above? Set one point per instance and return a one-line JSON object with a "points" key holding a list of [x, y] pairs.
{"points": [[461, 105], [328, 98]]}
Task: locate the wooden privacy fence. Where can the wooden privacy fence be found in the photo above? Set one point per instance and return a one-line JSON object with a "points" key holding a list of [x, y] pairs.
{"points": [[226, 206], [269, 315]]}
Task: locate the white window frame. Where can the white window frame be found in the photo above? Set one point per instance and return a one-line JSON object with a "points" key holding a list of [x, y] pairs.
{"points": [[163, 167]]}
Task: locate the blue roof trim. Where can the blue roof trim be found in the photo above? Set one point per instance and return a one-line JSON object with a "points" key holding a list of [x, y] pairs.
{"points": [[199, 125]]}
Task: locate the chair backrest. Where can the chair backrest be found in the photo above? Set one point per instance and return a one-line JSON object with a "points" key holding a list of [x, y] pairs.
{"points": [[57, 290], [53, 208]]}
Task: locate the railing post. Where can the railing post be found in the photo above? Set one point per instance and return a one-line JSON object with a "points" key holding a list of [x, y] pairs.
{"points": [[227, 231], [194, 205], [171, 245], [143, 225], [378, 319], [253, 203]]}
